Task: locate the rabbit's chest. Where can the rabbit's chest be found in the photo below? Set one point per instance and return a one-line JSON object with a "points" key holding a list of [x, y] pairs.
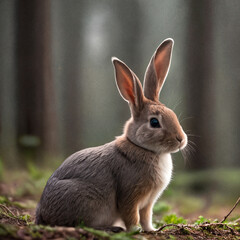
{"points": [[163, 170], [161, 176]]}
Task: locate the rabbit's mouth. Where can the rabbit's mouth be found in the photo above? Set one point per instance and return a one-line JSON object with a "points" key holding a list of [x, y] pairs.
{"points": [[179, 145], [183, 144]]}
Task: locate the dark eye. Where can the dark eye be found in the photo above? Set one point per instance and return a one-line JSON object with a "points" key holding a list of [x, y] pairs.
{"points": [[154, 123]]}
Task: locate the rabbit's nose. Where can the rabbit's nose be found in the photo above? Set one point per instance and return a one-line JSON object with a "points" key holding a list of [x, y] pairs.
{"points": [[179, 139]]}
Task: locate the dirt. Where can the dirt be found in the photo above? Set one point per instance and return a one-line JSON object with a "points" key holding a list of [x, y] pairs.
{"points": [[17, 222], [13, 225]]}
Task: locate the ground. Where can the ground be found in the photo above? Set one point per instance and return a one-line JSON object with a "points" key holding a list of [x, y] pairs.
{"points": [[19, 194]]}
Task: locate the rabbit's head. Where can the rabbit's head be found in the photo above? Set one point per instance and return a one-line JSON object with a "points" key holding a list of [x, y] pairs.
{"points": [[152, 125]]}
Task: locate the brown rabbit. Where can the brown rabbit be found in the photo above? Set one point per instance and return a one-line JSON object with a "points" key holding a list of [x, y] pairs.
{"points": [[115, 186]]}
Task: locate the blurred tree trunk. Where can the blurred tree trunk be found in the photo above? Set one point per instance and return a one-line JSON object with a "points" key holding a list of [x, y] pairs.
{"points": [[70, 27], [8, 148], [199, 65], [36, 103]]}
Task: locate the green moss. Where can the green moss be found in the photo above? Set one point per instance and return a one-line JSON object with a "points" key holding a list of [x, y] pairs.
{"points": [[113, 236], [97, 232], [8, 230]]}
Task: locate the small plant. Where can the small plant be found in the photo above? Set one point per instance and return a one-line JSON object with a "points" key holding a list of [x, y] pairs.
{"points": [[25, 218], [173, 219], [4, 200], [201, 220]]}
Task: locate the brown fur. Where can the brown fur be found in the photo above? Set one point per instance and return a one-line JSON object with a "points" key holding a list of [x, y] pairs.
{"points": [[149, 184], [118, 183]]}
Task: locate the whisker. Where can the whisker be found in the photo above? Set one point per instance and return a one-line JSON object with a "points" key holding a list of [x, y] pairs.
{"points": [[191, 143], [191, 147], [184, 119], [179, 116], [185, 157], [179, 102], [192, 135], [189, 152]]}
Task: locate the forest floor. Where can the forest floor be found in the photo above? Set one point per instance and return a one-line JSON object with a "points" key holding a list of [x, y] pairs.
{"points": [[19, 195]]}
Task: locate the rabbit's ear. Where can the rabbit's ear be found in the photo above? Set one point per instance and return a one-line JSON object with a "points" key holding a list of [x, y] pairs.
{"points": [[128, 84], [157, 70]]}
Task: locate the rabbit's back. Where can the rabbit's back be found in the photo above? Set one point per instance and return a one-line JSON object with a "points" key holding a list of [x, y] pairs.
{"points": [[81, 187], [88, 164]]}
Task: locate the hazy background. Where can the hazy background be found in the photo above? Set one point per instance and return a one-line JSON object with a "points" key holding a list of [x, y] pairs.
{"points": [[57, 87]]}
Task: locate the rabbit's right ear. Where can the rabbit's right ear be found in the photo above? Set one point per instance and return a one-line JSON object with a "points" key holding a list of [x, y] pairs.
{"points": [[157, 70], [128, 85]]}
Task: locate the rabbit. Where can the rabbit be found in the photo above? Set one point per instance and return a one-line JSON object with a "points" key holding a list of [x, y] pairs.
{"points": [[115, 186]]}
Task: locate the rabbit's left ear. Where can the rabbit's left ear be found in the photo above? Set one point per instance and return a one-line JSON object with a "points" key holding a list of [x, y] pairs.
{"points": [[128, 85], [157, 70]]}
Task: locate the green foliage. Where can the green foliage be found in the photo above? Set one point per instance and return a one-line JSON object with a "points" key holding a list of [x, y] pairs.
{"points": [[201, 220], [124, 235], [34, 181], [112, 236], [6, 230], [34, 172], [8, 214], [161, 207], [97, 232], [6, 204], [26, 218], [5, 201], [173, 219], [36, 228]]}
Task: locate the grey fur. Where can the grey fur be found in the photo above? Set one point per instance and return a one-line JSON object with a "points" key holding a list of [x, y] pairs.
{"points": [[92, 183], [115, 186]]}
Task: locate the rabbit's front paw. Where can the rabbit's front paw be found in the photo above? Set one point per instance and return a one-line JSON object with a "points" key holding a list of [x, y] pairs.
{"points": [[149, 229]]}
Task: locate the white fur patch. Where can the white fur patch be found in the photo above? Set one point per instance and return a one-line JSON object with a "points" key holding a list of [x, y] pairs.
{"points": [[164, 174]]}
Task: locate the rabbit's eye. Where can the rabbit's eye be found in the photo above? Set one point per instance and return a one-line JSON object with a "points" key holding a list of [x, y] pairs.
{"points": [[154, 123]]}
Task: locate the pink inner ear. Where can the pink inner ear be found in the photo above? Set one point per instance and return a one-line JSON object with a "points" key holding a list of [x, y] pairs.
{"points": [[162, 61], [128, 86], [161, 67]]}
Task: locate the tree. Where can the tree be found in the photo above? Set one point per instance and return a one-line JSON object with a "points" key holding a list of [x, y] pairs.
{"points": [[69, 20], [36, 116], [199, 82]]}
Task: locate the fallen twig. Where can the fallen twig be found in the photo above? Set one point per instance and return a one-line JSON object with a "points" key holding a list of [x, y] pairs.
{"points": [[237, 220], [169, 225], [8, 213], [194, 226], [6, 209], [217, 224], [231, 210]]}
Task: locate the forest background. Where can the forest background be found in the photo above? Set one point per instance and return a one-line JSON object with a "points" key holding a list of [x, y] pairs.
{"points": [[58, 93]]}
